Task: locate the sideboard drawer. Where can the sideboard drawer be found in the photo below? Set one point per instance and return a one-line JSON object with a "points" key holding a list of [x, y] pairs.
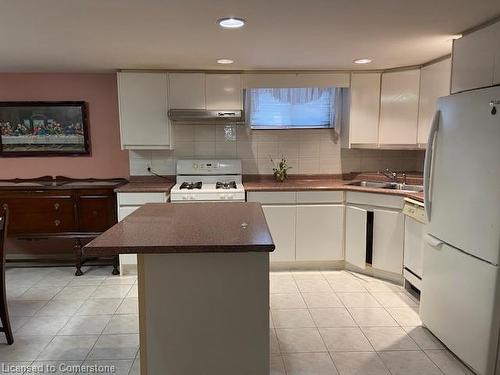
{"points": [[40, 214]]}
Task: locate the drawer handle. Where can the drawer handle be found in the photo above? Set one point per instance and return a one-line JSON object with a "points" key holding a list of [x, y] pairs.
{"points": [[56, 206], [57, 222]]}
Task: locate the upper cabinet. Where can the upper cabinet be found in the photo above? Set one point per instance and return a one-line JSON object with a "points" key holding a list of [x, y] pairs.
{"points": [[434, 83], [223, 91], [364, 108], [143, 107], [399, 108], [205, 91], [496, 73], [187, 90], [474, 62]]}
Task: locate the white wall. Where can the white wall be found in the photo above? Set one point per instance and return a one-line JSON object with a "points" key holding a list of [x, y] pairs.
{"points": [[309, 151]]}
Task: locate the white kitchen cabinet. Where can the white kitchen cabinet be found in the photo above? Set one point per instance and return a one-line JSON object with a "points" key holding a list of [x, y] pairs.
{"points": [[320, 230], [281, 222], [496, 73], [388, 239], [128, 203], [364, 108], [474, 59], [355, 236], [434, 83], [399, 108], [223, 91], [143, 107], [187, 90]]}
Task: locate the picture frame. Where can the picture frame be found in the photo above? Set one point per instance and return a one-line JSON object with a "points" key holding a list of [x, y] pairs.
{"points": [[44, 129]]}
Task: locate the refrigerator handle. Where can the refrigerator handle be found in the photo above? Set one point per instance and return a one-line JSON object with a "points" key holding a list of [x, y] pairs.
{"points": [[429, 156], [433, 241]]}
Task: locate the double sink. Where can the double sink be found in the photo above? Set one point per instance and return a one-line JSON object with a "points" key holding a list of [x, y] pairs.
{"points": [[388, 185]]}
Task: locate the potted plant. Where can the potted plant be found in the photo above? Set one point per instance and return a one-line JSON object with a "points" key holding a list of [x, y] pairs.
{"points": [[280, 169]]}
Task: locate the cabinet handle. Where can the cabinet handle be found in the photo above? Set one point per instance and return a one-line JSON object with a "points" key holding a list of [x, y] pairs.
{"points": [[57, 222], [95, 213], [56, 206], [5, 206]]}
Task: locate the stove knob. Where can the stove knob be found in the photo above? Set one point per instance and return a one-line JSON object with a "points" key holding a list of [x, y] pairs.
{"points": [[230, 196], [184, 197], [221, 196], [192, 197]]}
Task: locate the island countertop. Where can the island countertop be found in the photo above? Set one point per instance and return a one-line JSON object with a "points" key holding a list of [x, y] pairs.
{"points": [[187, 228]]}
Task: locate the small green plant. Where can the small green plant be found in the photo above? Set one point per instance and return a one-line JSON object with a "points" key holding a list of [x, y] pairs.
{"points": [[280, 169]]}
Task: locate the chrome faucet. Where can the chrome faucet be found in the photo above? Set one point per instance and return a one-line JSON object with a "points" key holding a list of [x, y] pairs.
{"points": [[393, 176]]}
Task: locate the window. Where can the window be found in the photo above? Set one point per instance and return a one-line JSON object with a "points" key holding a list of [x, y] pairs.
{"points": [[291, 108]]}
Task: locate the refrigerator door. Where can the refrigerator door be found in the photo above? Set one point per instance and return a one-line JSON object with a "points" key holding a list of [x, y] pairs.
{"points": [[462, 174], [460, 304]]}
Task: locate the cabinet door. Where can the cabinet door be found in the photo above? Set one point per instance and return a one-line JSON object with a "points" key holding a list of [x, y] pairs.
{"points": [[187, 90], [434, 83], [320, 231], [399, 108], [96, 213], [365, 107], [355, 236], [388, 234], [223, 91], [143, 110], [281, 222], [496, 72], [473, 60], [414, 245]]}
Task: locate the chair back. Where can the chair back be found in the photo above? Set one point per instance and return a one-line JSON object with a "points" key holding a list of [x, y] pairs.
{"points": [[4, 218]]}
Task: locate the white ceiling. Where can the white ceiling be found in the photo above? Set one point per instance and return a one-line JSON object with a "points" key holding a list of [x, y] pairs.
{"points": [[97, 35]]}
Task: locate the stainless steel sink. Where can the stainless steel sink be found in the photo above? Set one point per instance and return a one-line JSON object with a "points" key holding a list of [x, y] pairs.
{"points": [[371, 184], [388, 185]]}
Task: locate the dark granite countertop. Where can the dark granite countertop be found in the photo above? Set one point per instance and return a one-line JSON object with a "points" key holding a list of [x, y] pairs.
{"points": [[147, 184], [328, 183], [187, 228]]}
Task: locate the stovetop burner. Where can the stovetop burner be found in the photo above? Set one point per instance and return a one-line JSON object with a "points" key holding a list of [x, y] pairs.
{"points": [[191, 185], [226, 185]]}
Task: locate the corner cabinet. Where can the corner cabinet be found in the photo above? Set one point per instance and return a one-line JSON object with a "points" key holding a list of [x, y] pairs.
{"points": [[476, 59], [143, 107], [399, 108], [374, 234]]}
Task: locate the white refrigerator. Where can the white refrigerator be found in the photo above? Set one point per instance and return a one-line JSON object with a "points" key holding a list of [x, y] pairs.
{"points": [[460, 301]]}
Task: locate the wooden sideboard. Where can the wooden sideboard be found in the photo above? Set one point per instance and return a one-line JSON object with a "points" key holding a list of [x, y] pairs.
{"points": [[61, 208]]}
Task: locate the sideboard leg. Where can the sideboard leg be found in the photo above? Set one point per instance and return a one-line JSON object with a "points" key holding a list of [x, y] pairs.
{"points": [[77, 247], [116, 264]]}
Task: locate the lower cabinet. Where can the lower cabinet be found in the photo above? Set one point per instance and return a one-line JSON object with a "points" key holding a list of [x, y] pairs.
{"points": [[281, 222], [374, 237], [305, 226], [128, 203], [319, 233]]}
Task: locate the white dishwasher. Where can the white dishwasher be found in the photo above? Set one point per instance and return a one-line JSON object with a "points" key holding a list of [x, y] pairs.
{"points": [[415, 223]]}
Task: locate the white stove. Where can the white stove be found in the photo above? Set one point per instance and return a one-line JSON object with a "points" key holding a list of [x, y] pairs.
{"points": [[208, 181]]}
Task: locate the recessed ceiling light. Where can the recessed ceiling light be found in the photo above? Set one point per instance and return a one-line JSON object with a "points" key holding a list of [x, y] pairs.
{"points": [[362, 61], [231, 22], [225, 61]]}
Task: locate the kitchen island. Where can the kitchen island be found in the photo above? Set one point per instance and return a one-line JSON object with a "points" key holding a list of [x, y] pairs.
{"points": [[203, 282]]}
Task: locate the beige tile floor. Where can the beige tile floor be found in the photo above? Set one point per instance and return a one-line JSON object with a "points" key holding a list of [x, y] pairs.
{"points": [[321, 323]]}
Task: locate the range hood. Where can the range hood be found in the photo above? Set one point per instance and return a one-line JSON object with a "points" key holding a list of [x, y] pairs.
{"points": [[205, 116]]}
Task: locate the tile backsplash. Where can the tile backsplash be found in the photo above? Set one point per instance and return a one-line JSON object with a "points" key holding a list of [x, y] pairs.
{"points": [[309, 151]]}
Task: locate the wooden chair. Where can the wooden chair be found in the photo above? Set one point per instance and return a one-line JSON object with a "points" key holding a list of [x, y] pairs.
{"points": [[4, 313]]}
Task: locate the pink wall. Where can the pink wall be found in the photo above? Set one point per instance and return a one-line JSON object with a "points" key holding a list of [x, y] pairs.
{"points": [[100, 92]]}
